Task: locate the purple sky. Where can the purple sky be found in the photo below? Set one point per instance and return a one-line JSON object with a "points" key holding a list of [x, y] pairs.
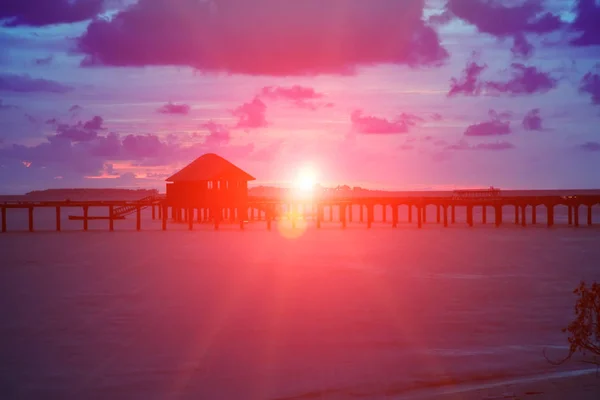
{"points": [[410, 94]]}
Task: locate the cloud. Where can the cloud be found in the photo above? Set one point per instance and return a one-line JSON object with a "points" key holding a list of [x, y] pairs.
{"points": [[4, 106], [494, 127], [251, 115], [218, 134], [586, 23], [48, 12], [590, 84], [521, 47], [172, 108], [80, 132], [533, 120], [75, 108], [26, 84], [590, 146], [524, 80], [469, 84], [370, 125], [493, 146], [298, 95], [265, 37], [500, 18], [43, 61]]}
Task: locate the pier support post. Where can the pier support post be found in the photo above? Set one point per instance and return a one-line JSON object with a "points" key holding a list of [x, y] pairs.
{"points": [[420, 216], [190, 220], [533, 214], [445, 216], [361, 214], [498, 211], [319, 215], [165, 215], [138, 218], [550, 215], [3, 219], [438, 215], [384, 212], [342, 208], [410, 207], [524, 215], [111, 216], [199, 215], [516, 214], [576, 212], [58, 227], [159, 209], [394, 215], [218, 212], [589, 215], [85, 218], [350, 206], [570, 215], [242, 214], [484, 214], [30, 219], [424, 210], [269, 215], [370, 215], [453, 214], [331, 213], [153, 212], [470, 215]]}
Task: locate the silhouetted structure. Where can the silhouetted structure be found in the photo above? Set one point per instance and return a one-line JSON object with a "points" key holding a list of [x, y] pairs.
{"points": [[211, 184], [492, 192]]}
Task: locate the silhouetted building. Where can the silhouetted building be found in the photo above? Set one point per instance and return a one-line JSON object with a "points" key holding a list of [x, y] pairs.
{"points": [[209, 182]]}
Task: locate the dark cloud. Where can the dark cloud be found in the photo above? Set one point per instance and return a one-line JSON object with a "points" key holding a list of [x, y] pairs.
{"points": [[265, 37], [300, 96], [47, 12], [590, 146], [533, 120], [371, 125], [525, 80], [173, 108], [75, 108], [80, 132], [470, 83], [590, 84], [494, 127], [502, 18], [26, 84], [521, 47], [586, 23], [251, 115], [43, 61]]}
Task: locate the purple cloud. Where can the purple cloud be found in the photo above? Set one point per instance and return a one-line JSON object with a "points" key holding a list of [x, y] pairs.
{"points": [[494, 127], [75, 108], [590, 84], [80, 132], [533, 120], [48, 12], [590, 146], [502, 19], [251, 115], [586, 23], [371, 125], [298, 95], [43, 61], [493, 146], [525, 80], [290, 40], [469, 84], [521, 47], [4, 106], [26, 84], [173, 108]]}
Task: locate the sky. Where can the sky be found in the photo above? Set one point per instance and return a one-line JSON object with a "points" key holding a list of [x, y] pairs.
{"points": [[383, 94]]}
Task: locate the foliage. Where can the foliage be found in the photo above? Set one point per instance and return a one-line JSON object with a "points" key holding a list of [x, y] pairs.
{"points": [[584, 331]]}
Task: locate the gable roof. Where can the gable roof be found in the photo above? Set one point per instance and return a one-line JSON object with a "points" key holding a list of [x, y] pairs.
{"points": [[210, 167]]}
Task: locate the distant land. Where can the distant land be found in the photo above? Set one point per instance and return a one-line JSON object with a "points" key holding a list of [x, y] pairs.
{"points": [[103, 194]]}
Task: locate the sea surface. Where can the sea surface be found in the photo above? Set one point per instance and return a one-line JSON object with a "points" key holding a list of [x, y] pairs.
{"points": [[287, 314]]}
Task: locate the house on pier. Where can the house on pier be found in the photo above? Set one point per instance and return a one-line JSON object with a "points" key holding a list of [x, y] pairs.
{"points": [[210, 182]]}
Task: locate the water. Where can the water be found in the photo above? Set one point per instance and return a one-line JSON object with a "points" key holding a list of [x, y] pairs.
{"points": [[257, 315]]}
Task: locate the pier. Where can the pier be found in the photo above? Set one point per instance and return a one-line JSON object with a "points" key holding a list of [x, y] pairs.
{"points": [[340, 211]]}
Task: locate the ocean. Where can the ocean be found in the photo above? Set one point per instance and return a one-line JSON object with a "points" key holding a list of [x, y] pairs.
{"points": [[287, 314]]}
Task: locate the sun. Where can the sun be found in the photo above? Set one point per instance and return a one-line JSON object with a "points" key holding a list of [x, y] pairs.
{"points": [[306, 179]]}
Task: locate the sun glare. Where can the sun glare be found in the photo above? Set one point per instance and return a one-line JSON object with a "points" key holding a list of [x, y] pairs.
{"points": [[305, 180]]}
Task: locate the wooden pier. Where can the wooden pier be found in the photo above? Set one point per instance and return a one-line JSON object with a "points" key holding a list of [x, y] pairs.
{"points": [[523, 210]]}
